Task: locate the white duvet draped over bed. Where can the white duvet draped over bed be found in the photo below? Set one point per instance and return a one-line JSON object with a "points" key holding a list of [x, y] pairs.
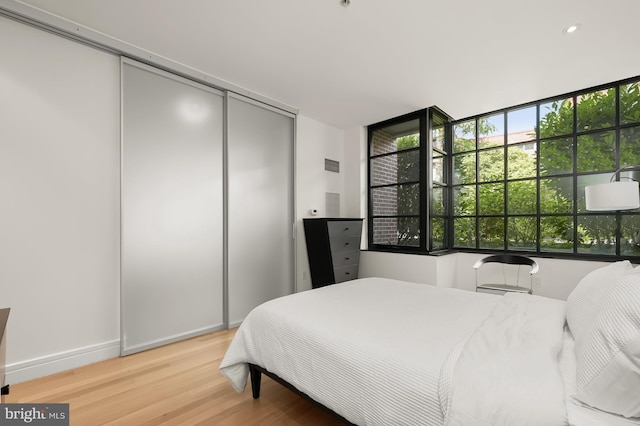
{"points": [[381, 352], [507, 371]]}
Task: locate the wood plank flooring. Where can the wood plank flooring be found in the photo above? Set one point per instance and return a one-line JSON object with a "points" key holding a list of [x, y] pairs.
{"points": [[177, 384]]}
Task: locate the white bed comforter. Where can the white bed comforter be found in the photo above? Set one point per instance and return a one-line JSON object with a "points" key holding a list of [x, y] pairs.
{"points": [[507, 372], [381, 352]]}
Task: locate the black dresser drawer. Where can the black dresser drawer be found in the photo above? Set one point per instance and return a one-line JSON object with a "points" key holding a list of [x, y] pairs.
{"points": [[333, 249]]}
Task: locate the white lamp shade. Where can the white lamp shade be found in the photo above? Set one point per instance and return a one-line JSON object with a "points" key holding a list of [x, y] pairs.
{"points": [[612, 196]]}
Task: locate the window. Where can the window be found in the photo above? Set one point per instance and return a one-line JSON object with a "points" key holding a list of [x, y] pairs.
{"points": [[402, 188], [511, 180], [520, 173], [438, 181]]}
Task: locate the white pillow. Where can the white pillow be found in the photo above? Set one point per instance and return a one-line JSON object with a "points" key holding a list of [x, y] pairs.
{"points": [[608, 364], [584, 300]]}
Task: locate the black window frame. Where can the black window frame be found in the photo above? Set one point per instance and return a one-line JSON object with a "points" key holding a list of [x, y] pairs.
{"points": [[576, 175], [425, 118]]}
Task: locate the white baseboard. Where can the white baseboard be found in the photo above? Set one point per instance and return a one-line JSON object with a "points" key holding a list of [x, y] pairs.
{"points": [[50, 364], [128, 350]]}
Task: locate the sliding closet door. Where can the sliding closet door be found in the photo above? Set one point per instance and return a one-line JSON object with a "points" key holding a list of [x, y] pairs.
{"points": [[260, 196], [172, 213]]}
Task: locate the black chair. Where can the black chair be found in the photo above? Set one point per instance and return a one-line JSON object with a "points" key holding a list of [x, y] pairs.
{"points": [[508, 259]]}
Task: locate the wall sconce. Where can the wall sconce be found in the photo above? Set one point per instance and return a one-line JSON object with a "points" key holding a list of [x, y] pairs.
{"points": [[615, 195]]}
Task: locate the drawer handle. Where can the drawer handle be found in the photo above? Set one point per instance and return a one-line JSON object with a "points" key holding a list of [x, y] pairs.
{"points": [[347, 258], [346, 244], [346, 273], [346, 229]]}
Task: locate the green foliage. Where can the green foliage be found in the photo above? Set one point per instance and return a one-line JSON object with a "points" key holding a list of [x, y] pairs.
{"points": [[491, 198], [491, 167], [597, 234], [556, 156], [556, 233], [491, 232], [597, 110], [437, 201], [464, 200], [630, 146], [464, 136], [464, 168], [464, 232], [522, 197], [438, 233], [521, 232], [630, 103], [556, 118], [407, 142], [629, 243], [597, 152], [409, 194]]}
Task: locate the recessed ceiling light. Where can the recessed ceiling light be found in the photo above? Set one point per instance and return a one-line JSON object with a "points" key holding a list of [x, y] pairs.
{"points": [[571, 29]]}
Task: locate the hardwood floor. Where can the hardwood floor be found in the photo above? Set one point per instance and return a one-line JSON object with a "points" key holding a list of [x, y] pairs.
{"points": [[177, 384]]}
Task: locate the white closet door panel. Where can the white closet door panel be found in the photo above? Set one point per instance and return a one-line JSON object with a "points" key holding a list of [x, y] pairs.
{"points": [[172, 238], [60, 203], [260, 210]]}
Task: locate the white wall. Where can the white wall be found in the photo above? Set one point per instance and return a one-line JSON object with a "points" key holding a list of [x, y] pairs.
{"points": [[60, 186], [355, 172], [557, 277], [316, 141], [405, 267]]}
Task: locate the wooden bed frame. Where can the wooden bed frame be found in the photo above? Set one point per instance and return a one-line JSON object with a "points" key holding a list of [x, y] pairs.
{"points": [[255, 372]]}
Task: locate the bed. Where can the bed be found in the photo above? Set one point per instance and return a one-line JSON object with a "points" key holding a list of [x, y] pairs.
{"points": [[378, 352]]}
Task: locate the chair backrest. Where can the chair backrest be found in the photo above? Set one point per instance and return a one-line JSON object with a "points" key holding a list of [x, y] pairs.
{"points": [[511, 259]]}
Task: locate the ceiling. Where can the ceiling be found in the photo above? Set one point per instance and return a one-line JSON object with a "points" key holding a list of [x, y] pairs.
{"points": [[356, 65]]}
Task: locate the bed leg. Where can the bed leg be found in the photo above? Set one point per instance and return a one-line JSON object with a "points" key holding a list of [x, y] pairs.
{"points": [[256, 376]]}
